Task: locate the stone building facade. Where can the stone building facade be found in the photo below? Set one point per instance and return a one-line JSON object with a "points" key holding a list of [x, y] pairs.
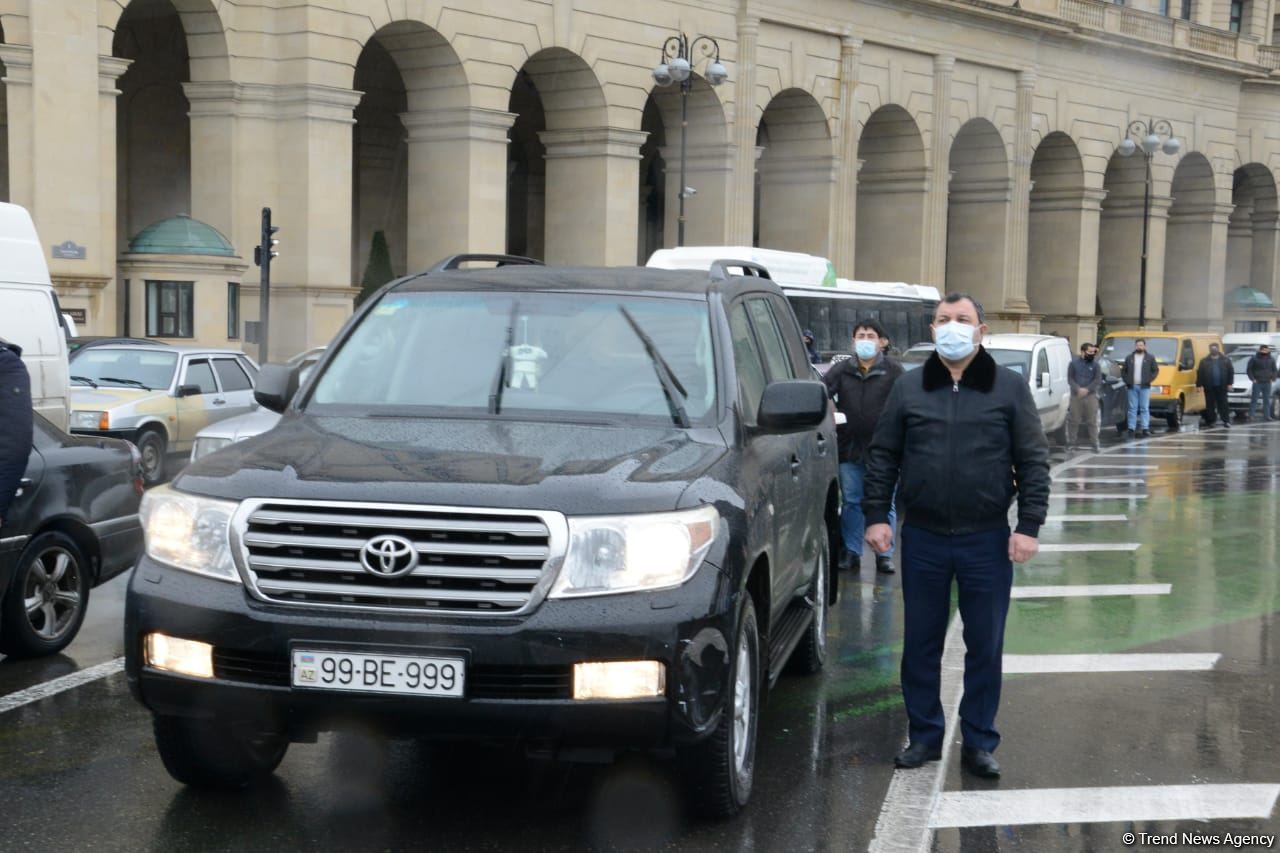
{"points": [[968, 144]]}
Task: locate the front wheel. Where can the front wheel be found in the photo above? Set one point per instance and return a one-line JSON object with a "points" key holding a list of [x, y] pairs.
{"points": [[720, 769], [811, 654], [206, 754], [46, 601], [152, 447], [1174, 418]]}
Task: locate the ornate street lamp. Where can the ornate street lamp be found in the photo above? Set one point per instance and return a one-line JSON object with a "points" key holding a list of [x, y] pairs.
{"points": [[1148, 137], [676, 67]]}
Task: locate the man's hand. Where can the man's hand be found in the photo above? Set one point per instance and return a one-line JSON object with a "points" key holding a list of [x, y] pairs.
{"points": [[880, 537], [1021, 546], [1082, 392]]}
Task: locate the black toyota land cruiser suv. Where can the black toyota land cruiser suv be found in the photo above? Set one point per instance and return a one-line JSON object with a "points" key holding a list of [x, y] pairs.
{"points": [[579, 508]]}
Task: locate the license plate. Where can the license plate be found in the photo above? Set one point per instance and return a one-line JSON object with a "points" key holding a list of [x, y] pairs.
{"points": [[374, 673]]}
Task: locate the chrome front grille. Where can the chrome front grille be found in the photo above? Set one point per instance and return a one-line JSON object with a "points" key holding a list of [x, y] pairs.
{"points": [[468, 560]]}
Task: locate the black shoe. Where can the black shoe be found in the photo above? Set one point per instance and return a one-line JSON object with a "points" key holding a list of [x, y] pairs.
{"points": [[1146, 433], [916, 754], [979, 762], [884, 564], [1097, 448], [850, 561]]}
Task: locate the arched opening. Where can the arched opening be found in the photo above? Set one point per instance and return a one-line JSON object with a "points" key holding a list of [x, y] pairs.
{"points": [[892, 186], [795, 176], [1061, 269], [1120, 244], [978, 213], [409, 174], [153, 133], [560, 164], [1253, 231], [653, 183], [1194, 265]]}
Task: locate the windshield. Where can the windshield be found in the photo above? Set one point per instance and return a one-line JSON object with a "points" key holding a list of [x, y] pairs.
{"points": [[570, 355], [1164, 349], [1016, 360], [913, 358], [123, 368], [1240, 363]]}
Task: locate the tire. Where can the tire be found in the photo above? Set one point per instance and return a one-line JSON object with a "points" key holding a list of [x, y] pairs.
{"points": [[47, 598], [811, 655], [153, 447], [1174, 418], [720, 769], [205, 754]]}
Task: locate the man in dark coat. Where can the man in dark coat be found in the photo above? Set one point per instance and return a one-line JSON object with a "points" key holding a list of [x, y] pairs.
{"points": [[1215, 376], [1085, 378], [15, 423], [860, 386], [1262, 373], [961, 438], [810, 349]]}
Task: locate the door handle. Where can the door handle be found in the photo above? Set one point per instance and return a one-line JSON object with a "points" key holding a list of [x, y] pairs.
{"points": [[218, 402], [822, 444], [795, 466]]}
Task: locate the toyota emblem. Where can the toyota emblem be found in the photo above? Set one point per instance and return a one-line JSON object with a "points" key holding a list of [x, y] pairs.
{"points": [[389, 556]]}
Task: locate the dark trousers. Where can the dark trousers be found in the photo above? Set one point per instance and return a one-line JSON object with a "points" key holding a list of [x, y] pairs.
{"points": [[1216, 404], [979, 564]]}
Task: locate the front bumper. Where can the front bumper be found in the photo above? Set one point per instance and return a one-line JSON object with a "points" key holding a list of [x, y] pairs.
{"points": [[123, 434], [519, 670]]}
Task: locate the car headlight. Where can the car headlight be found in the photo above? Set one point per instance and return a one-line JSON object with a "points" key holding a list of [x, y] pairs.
{"points": [[189, 532], [90, 420], [205, 446], [629, 553]]}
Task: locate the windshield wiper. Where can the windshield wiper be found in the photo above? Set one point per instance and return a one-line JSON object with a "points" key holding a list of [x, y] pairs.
{"points": [[500, 381], [84, 379], [666, 376], [132, 382]]}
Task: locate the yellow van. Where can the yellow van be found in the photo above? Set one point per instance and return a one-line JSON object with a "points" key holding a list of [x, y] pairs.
{"points": [[1174, 393]]}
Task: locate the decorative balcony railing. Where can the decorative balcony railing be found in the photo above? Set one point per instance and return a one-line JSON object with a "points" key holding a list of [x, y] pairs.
{"points": [[1269, 56], [1213, 41], [1161, 30], [1146, 26]]}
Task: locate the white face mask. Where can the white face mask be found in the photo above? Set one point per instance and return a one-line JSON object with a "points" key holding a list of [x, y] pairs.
{"points": [[866, 349], [954, 340]]}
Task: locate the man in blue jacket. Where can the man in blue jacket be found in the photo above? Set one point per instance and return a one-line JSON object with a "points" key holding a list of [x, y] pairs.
{"points": [[15, 423], [961, 438]]}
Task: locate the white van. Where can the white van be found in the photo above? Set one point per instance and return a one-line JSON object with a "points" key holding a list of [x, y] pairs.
{"points": [[29, 314], [785, 268], [1250, 341], [1043, 360]]}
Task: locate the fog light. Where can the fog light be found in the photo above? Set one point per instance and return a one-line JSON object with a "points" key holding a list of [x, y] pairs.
{"points": [[636, 679], [185, 657]]}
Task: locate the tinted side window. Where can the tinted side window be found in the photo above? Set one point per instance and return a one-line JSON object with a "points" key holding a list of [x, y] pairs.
{"points": [[233, 378], [775, 351], [1188, 353], [200, 373], [248, 368], [746, 358], [1042, 363]]}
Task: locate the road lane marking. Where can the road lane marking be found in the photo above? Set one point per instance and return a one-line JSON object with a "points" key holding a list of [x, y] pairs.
{"points": [[1058, 548], [1085, 517], [1097, 496], [957, 809], [1145, 455], [1119, 481], [1092, 590], [58, 685], [1119, 662]]}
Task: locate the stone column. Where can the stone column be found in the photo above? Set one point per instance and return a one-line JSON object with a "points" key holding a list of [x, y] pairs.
{"points": [[844, 232], [1015, 279], [593, 177], [1062, 268], [457, 182], [214, 109], [21, 121], [935, 267], [795, 214], [1196, 267], [742, 216], [710, 171], [107, 311], [1120, 254]]}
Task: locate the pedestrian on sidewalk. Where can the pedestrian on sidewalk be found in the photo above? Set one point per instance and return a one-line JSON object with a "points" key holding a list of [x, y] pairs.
{"points": [[15, 423], [964, 435], [1085, 378], [860, 387], [1215, 376], [810, 349], [1262, 372], [1139, 371]]}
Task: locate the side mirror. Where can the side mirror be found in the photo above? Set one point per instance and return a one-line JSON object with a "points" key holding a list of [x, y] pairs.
{"points": [[791, 405], [277, 383], [1042, 381], [189, 391]]}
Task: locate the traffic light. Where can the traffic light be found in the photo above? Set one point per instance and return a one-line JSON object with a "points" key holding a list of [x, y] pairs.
{"points": [[263, 254], [269, 242]]}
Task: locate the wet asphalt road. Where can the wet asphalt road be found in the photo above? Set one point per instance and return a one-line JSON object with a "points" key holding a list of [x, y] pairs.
{"points": [[78, 770]]}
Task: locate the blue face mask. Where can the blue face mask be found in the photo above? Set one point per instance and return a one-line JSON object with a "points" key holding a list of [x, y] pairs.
{"points": [[954, 340], [866, 350]]}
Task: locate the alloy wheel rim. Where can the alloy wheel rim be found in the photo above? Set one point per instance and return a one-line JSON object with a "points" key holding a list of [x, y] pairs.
{"points": [[51, 593], [820, 615], [150, 459], [741, 710]]}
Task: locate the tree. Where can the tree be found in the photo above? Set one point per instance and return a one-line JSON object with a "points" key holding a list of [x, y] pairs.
{"points": [[378, 271]]}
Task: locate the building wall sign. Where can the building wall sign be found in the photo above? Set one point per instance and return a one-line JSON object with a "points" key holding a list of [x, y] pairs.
{"points": [[68, 250]]}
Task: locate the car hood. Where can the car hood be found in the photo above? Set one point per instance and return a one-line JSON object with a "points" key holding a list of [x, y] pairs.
{"points": [[242, 426], [97, 399], [576, 469]]}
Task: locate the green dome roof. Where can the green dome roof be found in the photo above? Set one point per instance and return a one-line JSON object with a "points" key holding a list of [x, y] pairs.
{"points": [[1247, 297], [181, 235]]}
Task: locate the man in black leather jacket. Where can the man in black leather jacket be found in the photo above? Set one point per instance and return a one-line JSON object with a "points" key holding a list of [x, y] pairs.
{"points": [[15, 422], [964, 436]]}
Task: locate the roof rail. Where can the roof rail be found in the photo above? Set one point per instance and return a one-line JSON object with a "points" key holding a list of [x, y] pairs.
{"points": [[720, 269], [454, 262]]}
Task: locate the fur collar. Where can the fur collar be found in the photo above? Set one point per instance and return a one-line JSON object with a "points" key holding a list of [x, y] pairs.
{"points": [[980, 375]]}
